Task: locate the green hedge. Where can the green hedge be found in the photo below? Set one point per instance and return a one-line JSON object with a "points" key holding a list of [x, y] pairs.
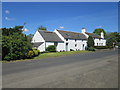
{"points": [[51, 48], [90, 48], [103, 47]]}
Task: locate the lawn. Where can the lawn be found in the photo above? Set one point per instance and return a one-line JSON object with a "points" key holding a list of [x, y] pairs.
{"points": [[57, 54], [50, 55]]}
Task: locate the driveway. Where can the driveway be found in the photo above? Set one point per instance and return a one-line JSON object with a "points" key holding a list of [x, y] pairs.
{"points": [[89, 70]]}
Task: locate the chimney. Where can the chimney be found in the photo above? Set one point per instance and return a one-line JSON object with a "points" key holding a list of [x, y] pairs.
{"points": [[102, 35], [83, 30]]}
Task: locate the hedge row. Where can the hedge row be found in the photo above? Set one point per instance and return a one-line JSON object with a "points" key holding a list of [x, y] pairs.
{"points": [[103, 47]]}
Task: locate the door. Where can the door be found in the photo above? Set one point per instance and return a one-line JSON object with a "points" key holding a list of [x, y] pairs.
{"points": [[66, 46]]}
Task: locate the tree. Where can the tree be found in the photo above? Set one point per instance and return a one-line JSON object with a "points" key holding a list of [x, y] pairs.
{"points": [[99, 30], [29, 37], [42, 28], [15, 44], [90, 42], [113, 37]]}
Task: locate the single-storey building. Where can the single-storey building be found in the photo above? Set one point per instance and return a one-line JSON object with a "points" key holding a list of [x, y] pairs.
{"points": [[65, 40]]}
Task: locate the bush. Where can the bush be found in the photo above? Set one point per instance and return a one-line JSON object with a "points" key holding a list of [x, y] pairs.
{"points": [[36, 51], [30, 54], [51, 48], [90, 41], [90, 48], [103, 47]]}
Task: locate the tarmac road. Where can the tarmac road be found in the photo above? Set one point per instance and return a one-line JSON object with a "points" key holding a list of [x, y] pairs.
{"points": [[90, 70]]}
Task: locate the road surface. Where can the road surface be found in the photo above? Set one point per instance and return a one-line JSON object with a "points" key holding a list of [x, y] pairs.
{"points": [[89, 70]]}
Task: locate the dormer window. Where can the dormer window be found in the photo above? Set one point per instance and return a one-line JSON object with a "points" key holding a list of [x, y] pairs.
{"points": [[67, 34], [75, 40]]}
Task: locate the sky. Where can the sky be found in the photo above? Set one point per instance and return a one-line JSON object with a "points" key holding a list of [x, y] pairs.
{"points": [[69, 16]]}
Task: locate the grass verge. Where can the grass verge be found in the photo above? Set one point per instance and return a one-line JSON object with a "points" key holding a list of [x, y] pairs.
{"points": [[50, 55]]}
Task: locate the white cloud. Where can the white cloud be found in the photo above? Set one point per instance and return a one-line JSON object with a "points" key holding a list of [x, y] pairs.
{"points": [[7, 11], [9, 19], [61, 27], [25, 30]]}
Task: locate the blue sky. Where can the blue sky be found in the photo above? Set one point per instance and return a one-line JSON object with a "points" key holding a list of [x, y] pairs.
{"points": [[70, 16]]}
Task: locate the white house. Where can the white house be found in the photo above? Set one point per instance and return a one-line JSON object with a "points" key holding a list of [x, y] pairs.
{"points": [[98, 40], [65, 40]]}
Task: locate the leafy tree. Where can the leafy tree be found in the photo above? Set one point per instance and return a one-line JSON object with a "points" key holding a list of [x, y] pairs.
{"points": [[29, 37], [42, 28], [15, 44], [113, 37], [99, 30], [90, 42]]}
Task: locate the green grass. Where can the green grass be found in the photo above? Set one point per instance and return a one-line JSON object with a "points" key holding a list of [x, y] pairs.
{"points": [[51, 55], [57, 54]]}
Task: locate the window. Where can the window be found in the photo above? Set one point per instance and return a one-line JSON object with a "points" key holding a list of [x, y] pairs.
{"points": [[75, 40], [55, 43], [75, 45], [66, 39], [67, 34], [83, 45], [97, 44]]}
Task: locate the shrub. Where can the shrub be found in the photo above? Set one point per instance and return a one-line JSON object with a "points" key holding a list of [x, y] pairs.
{"points": [[30, 54], [90, 41], [51, 48], [90, 48], [103, 47], [36, 51]]}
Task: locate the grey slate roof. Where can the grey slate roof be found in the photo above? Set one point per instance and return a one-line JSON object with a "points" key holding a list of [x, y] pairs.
{"points": [[37, 44], [93, 35], [50, 36], [72, 35]]}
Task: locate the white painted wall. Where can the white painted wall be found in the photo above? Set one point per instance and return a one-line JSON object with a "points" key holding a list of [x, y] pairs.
{"points": [[76, 45], [100, 42], [71, 44], [60, 46], [49, 43], [42, 47], [85, 44], [38, 38]]}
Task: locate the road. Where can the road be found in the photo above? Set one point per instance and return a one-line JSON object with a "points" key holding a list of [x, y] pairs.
{"points": [[89, 70]]}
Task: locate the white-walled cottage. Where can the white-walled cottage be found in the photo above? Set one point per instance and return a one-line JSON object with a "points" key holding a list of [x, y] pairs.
{"points": [[98, 40], [42, 39], [65, 40]]}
